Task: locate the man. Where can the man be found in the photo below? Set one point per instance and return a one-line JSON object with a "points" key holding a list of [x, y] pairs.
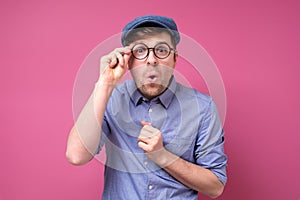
{"points": [[163, 140]]}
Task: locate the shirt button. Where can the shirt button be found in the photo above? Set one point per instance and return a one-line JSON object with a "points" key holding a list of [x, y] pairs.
{"points": [[150, 187], [150, 110], [146, 163]]}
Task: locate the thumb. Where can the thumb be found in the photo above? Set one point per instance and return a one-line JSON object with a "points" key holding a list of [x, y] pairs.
{"points": [[126, 56]]}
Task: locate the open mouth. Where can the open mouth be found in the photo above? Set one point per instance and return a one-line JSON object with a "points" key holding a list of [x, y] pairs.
{"points": [[152, 78]]}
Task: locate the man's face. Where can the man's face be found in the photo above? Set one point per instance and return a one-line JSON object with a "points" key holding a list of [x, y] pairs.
{"points": [[152, 74]]}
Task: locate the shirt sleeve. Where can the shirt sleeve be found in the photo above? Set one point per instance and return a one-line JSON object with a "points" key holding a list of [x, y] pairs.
{"points": [[209, 151]]}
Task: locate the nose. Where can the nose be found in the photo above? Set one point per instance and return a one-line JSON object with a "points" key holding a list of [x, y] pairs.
{"points": [[151, 59]]}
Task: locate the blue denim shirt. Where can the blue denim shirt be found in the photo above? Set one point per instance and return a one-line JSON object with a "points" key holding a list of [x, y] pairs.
{"points": [[190, 126]]}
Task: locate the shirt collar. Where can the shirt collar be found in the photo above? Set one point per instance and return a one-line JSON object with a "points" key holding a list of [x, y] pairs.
{"points": [[165, 98]]}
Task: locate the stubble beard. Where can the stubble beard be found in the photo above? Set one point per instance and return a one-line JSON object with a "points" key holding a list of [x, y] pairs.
{"points": [[151, 90]]}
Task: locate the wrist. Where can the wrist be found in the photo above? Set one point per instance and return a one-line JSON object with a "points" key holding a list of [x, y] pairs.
{"points": [[102, 86], [165, 158], [104, 83], [102, 92]]}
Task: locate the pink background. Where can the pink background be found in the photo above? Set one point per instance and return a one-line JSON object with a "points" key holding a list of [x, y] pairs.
{"points": [[255, 45]]}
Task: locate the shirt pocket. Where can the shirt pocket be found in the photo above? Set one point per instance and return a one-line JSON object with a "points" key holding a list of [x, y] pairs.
{"points": [[182, 147]]}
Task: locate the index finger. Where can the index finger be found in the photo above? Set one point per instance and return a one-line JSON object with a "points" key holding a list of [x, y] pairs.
{"points": [[147, 132], [123, 55]]}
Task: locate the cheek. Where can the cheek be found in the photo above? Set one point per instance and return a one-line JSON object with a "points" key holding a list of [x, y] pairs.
{"points": [[170, 62], [133, 63], [137, 71]]}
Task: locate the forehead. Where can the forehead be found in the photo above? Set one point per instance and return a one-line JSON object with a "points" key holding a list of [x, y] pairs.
{"points": [[153, 39]]}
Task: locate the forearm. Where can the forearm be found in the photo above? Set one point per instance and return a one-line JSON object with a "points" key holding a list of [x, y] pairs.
{"points": [[85, 135], [191, 175]]}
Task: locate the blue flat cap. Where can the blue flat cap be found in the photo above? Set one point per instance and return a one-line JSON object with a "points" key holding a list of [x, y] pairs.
{"points": [[153, 20]]}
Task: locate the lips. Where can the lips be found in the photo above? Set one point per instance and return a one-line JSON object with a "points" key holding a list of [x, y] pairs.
{"points": [[152, 77]]}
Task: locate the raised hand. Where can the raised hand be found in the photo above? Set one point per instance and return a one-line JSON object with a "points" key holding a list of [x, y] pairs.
{"points": [[113, 66]]}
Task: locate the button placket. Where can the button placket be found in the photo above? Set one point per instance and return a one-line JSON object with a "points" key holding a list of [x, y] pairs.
{"points": [[157, 115]]}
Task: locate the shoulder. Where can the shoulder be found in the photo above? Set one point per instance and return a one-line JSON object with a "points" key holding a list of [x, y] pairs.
{"points": [[123, 89], [120, 94], [119, 100], [190, 94]]}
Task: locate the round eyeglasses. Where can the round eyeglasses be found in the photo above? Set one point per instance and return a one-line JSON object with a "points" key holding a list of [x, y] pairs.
{"points": [[141, 51]]}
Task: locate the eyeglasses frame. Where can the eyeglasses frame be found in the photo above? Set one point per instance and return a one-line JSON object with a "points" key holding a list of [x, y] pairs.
{"points": [[152, 48]]}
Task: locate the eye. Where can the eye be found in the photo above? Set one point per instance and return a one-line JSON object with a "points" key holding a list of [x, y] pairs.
{"points": [[139, 50], [162, 49]]}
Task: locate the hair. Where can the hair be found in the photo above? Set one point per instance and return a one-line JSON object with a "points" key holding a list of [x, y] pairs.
{"points": [[148, 29]]}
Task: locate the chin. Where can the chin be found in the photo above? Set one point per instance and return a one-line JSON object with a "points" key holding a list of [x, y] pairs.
{"points": [[152, 90]]}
